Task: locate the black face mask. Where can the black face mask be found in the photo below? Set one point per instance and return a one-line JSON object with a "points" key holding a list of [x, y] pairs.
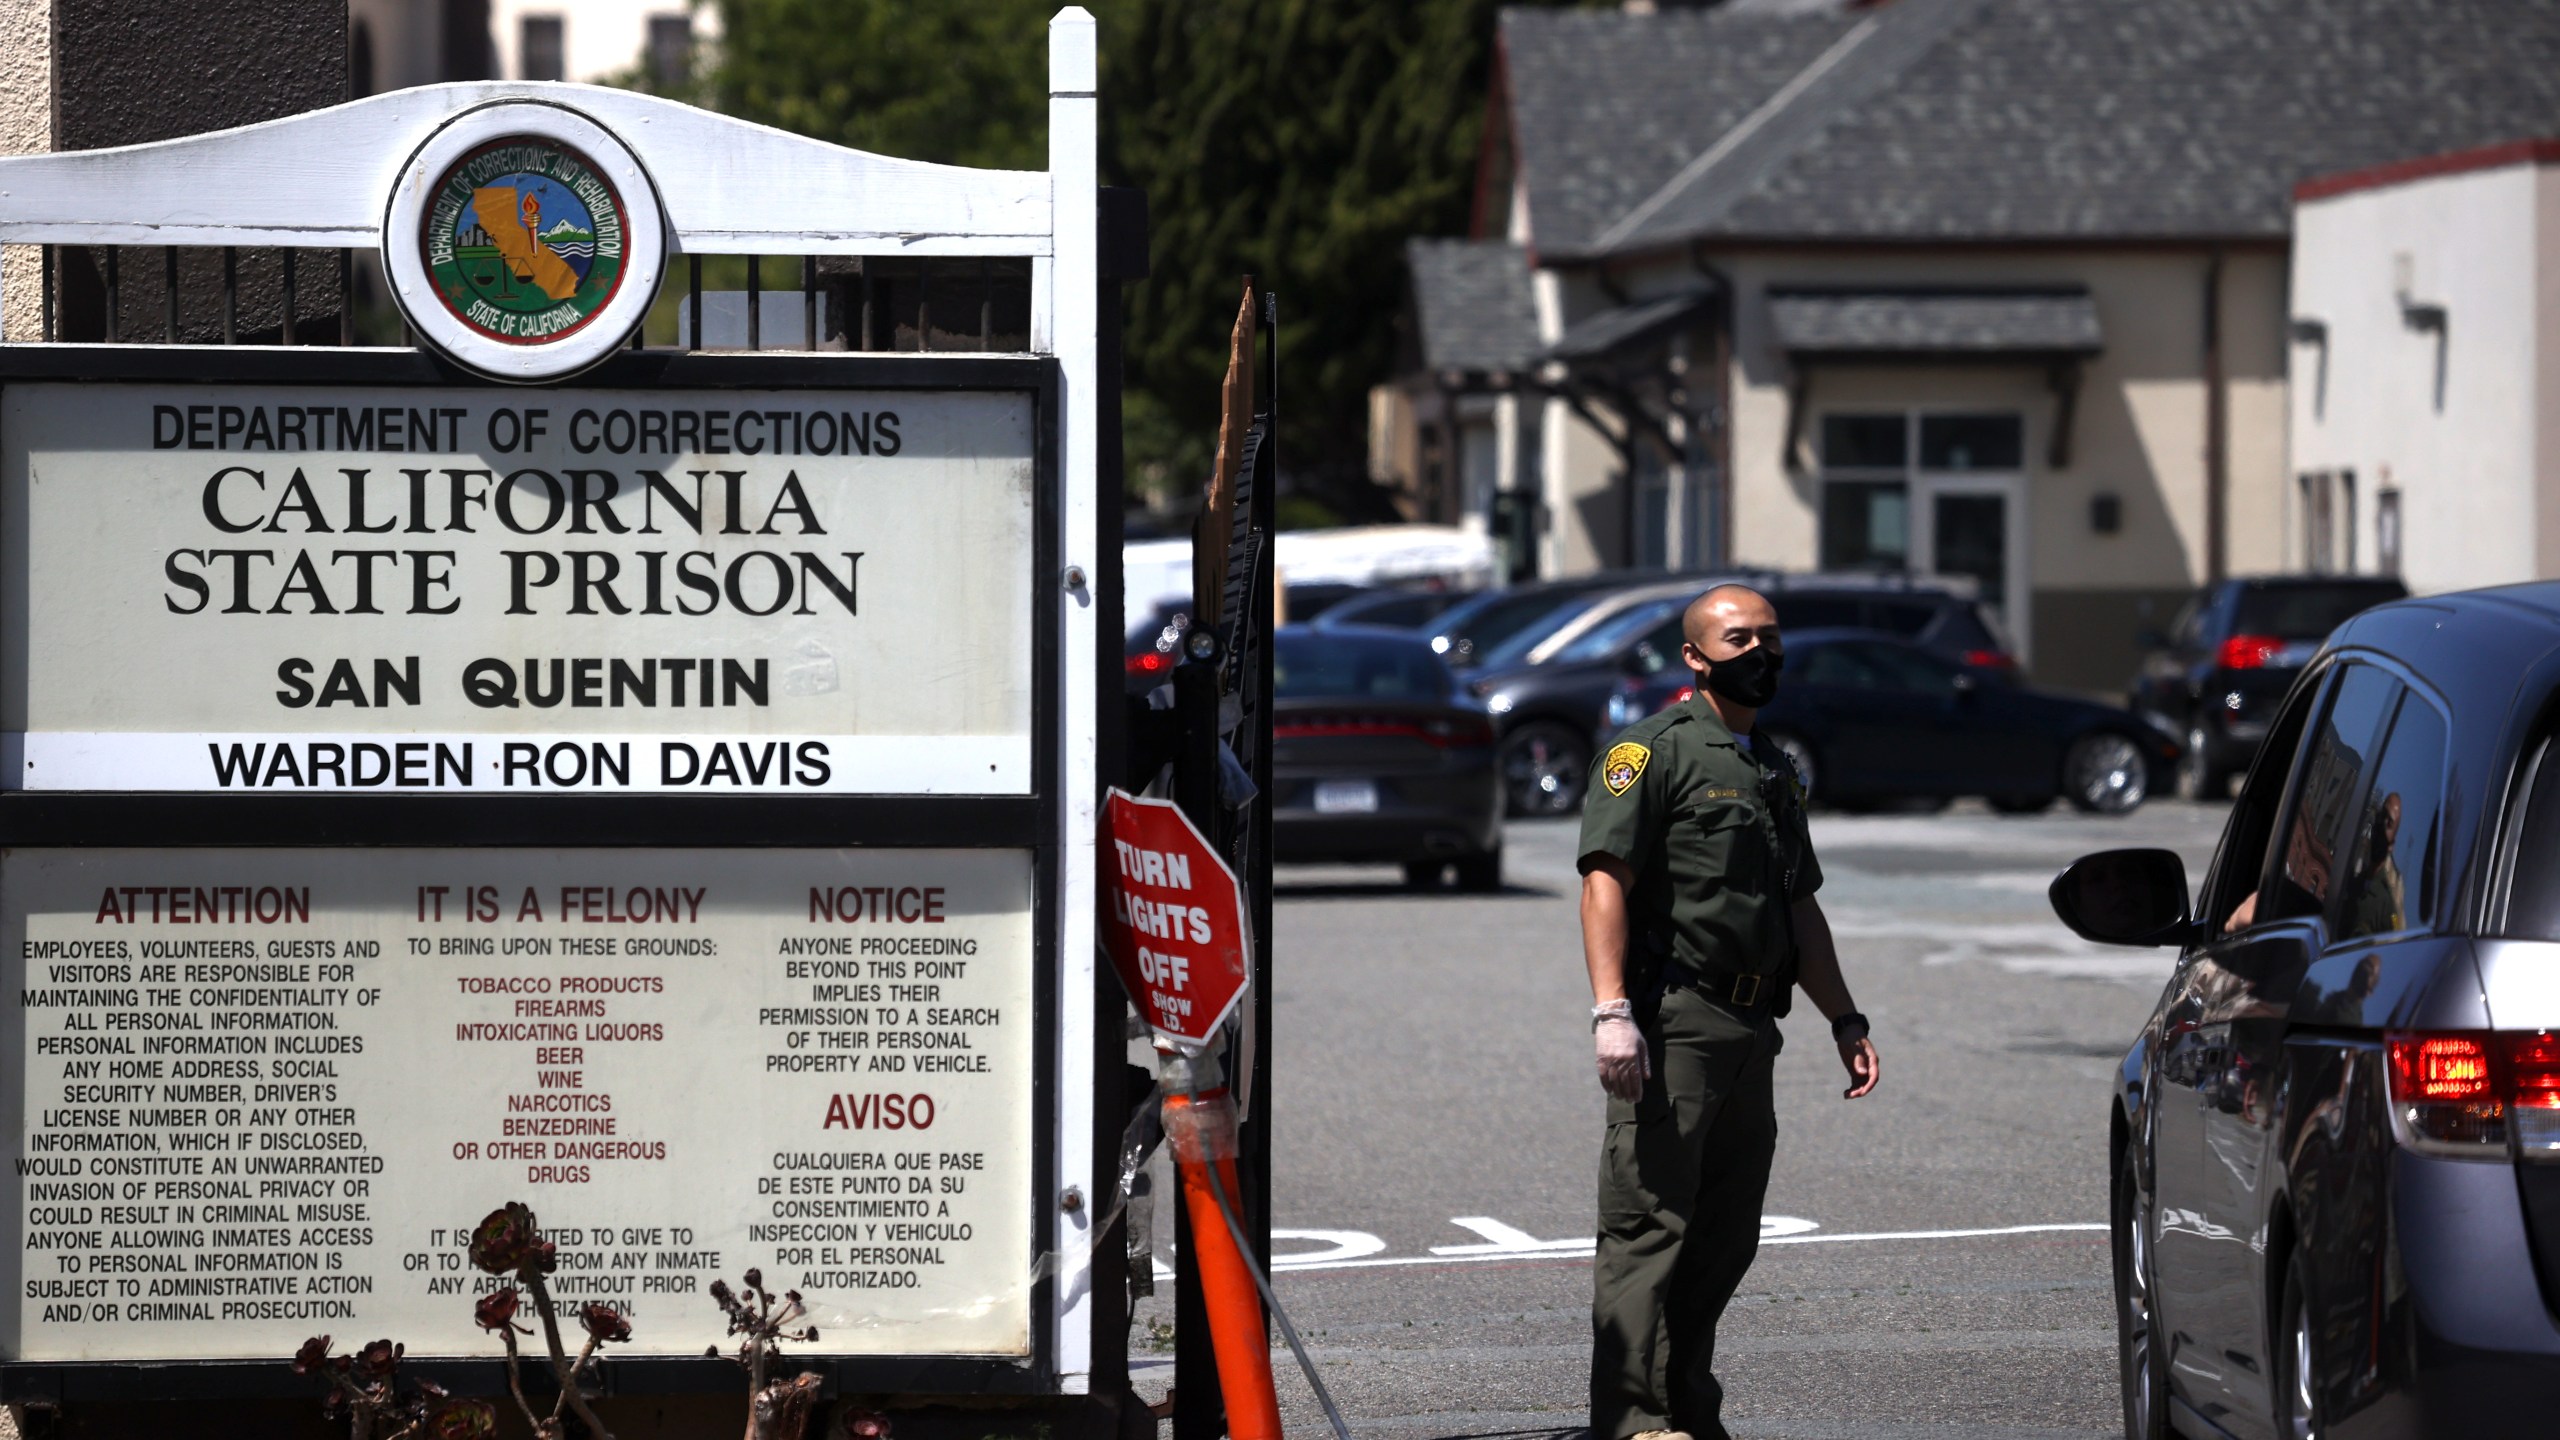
{"points": [[1749, 679]]}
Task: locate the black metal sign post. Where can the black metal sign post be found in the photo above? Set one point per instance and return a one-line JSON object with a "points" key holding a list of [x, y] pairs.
{"points": [[1236, 672]]}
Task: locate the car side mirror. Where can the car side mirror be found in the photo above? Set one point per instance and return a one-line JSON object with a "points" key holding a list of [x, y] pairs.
{"points": [[2124, 897]]}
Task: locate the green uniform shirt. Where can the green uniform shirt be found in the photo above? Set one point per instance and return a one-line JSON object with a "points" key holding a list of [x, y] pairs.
{"points": [[1712, 835]]}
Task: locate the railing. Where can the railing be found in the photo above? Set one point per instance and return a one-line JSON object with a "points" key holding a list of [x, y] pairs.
{"points": [[922, 304]]}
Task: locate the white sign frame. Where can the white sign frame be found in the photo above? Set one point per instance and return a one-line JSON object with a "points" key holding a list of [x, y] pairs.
{"points": [[727, 187]]}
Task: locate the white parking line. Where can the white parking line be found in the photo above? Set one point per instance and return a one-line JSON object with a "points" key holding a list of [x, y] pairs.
{"points": [[1358, 1250]]}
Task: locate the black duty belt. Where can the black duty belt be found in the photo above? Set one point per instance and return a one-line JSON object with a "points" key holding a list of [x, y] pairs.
{"points": [[1742, 992]]}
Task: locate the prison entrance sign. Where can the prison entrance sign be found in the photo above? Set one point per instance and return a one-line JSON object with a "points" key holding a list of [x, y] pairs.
{"points": [[654, 786]]}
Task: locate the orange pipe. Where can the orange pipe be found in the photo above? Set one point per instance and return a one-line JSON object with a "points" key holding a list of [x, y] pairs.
{"points": [[1203, 1127]]}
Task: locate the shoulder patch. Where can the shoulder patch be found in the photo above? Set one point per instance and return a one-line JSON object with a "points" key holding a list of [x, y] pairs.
{"points": [[1625, 762]]}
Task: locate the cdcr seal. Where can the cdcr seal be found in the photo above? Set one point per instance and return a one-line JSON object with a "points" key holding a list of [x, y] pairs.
{"points": [[524, 241]]}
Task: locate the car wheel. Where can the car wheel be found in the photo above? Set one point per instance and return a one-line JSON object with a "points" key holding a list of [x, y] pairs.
{"points": [[2105, 774], [1798, 754], [2019, 804], [2299, 1413], [2142, 1360], [2198, 777], [1424, 874], [1481, 874], [1544, 767]]}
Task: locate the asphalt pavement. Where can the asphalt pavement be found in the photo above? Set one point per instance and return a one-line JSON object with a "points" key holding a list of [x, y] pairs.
{"points": [[1934, 1257]]}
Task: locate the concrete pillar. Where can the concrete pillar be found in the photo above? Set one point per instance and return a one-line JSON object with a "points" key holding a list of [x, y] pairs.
{"points": [[90, 74], [26, 128]]}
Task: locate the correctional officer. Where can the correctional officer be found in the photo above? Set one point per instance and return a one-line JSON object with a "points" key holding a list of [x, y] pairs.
{"points": [[1698, 921]]}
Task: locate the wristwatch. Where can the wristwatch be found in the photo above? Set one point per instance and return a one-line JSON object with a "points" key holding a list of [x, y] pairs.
{"points": [[1849, 1029]]}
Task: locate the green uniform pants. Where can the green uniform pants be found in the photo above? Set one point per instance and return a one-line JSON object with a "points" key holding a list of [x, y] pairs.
{"points": [[1681, 1181]]}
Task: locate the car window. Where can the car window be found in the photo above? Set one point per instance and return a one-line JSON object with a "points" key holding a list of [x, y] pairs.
{"points": [[1830, 665], [2304, 865], [2533, 864], [1659, 650], [2239, 862], [1908, 670], [1819, 612], [1521, 634], [2389, 879], [2188, 627], [1901, 617], [2308, 612], [1332, 665], [1399, 612], [1610, 635]]}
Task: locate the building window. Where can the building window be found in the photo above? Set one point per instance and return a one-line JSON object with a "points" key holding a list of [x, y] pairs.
{"points": [[1937, 494], [542, 48], [2328, 521], [2386, 531], [671, 49], [1971, 442]]}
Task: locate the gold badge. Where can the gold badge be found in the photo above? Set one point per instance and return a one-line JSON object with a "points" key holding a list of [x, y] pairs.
{"points": [[1624, 764]]}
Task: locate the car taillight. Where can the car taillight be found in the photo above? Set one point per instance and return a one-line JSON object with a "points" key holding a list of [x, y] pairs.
{"points": [[1992, 660], [1449, 732], [2535, 1060], [1681, 696], [1149, 662], [2249, 652], [2463, 1092]]}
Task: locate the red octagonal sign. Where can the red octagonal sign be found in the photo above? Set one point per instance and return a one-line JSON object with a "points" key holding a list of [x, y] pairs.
{"points": [[1172, 918]]}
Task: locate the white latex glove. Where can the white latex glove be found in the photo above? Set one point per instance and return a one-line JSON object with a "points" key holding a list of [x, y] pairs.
{"points": [[1624, 1063]]}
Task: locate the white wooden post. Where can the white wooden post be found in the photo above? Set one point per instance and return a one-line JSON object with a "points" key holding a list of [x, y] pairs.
{"points": [[1075, 323]]}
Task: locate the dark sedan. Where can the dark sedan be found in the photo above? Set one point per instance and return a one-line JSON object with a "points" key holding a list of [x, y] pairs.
{"points": [[1378, 755], [2231, 654], [1870, 717], [1544, 709], [2334, 1146]]}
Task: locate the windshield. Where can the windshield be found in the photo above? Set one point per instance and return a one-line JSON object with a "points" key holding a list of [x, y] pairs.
{"points": [[1333, 665], [1610, 635], [1487, 623], [1524, 636], [2308, 612]]}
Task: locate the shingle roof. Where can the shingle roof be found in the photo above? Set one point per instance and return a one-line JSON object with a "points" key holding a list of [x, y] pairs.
{"points": [[2050, 322], [1999, 119], [1605, 107], [1472, 299], [1598, 334]]}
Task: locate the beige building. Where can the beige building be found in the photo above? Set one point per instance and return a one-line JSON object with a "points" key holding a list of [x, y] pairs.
{"points": [[394, 44], [1991, 290], [2426, 344]]}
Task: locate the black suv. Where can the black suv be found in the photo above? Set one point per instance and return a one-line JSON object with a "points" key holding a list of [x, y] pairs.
{"points": [[2215, 676], [2335, 1144]]}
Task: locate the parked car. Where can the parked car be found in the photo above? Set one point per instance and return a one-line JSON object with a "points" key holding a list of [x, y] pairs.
{"points": [[1153, 645], [1307, 601], [2230, 654], [1929, 613], [1389, 609], [1869, 717], [2335, 1143], [1377, 754], [1475, 626], [1543, 708]]}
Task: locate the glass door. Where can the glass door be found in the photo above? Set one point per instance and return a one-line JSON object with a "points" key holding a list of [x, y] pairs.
{"points": [[1970, 527]]}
